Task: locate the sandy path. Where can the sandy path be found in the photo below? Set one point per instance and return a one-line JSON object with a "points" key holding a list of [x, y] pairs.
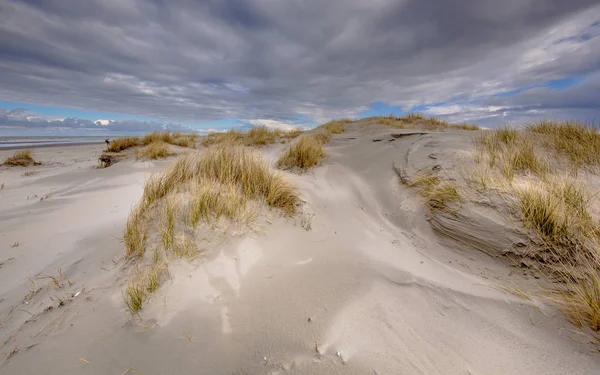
{"points": [[367, 291]]}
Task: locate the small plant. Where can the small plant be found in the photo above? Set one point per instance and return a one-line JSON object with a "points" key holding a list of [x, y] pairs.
{"points": [[579, 299], [15, 244], [335, 126], [304, 154], [292, 134], [437, 193], [197, 186], [580, 143], [135, 294], [465, 126], [135, 232], [256, 137], [59, 281], [21, 158], [153, 151], [413, 117], [120, 144]]}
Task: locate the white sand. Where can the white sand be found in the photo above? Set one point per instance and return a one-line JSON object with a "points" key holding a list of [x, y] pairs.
{"points": [[369, 290]]}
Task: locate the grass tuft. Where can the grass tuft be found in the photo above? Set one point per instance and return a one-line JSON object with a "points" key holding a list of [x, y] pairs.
{"points": [[198, 187], [437, 193], [556, 208], [227, 166], [465, 126], [21, 159], [120, 144], [580, 143], [579, 300], [154, 150], [306, 153], [256, 137], [135, 295], [155, 137], [513, 151], [135, 232], [335, 126]]}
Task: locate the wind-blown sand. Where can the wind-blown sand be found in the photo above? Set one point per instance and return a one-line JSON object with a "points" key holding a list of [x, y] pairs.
{"points": [[370, 289]]}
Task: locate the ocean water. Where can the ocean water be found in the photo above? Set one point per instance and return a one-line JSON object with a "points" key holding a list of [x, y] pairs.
{"points": [[7, 143]]}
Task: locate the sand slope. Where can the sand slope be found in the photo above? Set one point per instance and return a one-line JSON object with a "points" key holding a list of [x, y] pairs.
{"points": [[369, 289]]}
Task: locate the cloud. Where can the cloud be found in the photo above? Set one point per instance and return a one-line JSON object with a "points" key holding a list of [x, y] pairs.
{"points": [[273, 124], [20, 118], [577, 102], [183, 61]]}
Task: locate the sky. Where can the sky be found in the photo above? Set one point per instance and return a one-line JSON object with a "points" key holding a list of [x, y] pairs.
{"points": [[128, 66]]}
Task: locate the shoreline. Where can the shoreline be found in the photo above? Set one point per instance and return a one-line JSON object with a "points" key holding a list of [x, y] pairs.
{"points": [[22, 147]]}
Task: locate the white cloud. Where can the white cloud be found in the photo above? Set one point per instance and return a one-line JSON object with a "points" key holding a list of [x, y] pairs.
{"points": [[272, 124], [102, 122]]}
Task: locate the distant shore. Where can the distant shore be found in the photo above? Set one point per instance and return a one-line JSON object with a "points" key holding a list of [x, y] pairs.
{"points": [[16, 143]]}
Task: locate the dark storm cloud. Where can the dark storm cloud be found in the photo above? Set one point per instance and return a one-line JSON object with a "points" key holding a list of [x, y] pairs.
{"points": [[184, 60]]}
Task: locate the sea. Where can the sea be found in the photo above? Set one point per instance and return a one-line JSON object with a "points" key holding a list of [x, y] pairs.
{"points": [[16, 142]]}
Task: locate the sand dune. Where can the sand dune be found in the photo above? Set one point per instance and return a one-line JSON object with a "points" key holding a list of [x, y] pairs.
{"points": [[376, 286]]}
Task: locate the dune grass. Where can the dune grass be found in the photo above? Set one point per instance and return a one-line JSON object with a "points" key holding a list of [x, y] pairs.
{"points": [[165, 137], [292, 134], [513, 151], [261, 136], [256, 137], [335, 126], [555, 207], [465, 126], [156, 136], [419, 121], [437, 193], [579, 299], [198, 187], [227, 167], [306, 153], [135, 232], [120, 144], [578, 142], [20, 159], [549, 213], [154, 150]]}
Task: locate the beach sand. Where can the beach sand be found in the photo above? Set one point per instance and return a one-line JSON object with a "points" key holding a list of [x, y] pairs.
{"points": [[369, 289]]}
